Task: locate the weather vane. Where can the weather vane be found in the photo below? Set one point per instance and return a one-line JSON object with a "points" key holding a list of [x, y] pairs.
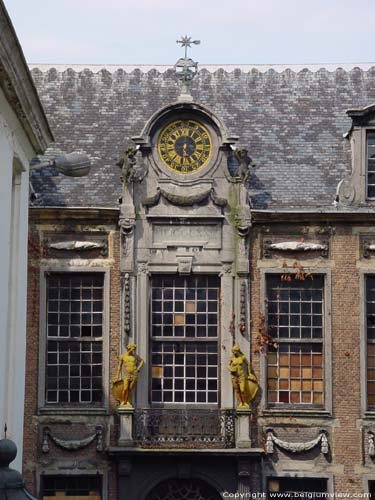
{"points": [[186, 42]]}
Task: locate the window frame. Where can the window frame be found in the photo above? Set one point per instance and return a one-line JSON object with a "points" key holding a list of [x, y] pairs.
{"points": [[364, 273], [43, 405], [203, 340], [300, 408], [73, 473], [300, 475], [366, 131]]}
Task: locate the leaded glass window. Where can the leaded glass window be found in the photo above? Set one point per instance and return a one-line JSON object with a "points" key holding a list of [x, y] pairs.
{"points": [[295, 321], [184, 339], [370, 322], [371, 164], [74, 347]]}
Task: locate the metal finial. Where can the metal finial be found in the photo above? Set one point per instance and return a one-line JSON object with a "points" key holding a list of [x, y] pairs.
{"points": [[186, 42], [186, 68], [5, 430]]}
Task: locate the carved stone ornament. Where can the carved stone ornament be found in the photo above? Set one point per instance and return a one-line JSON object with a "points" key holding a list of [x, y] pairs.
{"points": [[239, 166], [371, 444], [368, 248], [294, 246], [72, 444], [177, 195], [184, 265], [76, 245], [127, 312], [133, 168], [321, 439]]}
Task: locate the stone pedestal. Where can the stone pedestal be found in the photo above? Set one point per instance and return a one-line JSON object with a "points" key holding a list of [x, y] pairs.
{"points": [[243, 428], [126, 426]]}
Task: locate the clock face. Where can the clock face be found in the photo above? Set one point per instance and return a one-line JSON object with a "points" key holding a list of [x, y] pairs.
{"points": [[184, 146]]}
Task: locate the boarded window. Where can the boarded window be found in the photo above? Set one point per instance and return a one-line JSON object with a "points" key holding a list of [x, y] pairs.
{"points": [[295, 321]]}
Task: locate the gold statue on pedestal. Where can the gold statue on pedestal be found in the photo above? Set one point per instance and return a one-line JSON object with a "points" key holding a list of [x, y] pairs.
{"points": [[122, 388], [244, 382]]}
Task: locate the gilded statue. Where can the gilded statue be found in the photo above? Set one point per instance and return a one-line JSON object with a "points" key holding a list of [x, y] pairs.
{"points": [[123, 387], [244, 382]]}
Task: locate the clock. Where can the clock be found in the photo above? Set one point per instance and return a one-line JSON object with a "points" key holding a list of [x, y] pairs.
{"points": [[184, 146]]}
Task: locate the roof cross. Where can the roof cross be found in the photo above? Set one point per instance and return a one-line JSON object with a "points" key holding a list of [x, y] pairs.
{"points": [[186, 42]]}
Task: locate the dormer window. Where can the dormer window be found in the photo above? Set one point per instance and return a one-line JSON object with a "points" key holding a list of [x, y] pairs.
{"points": [[358, 187], [371, 164]]}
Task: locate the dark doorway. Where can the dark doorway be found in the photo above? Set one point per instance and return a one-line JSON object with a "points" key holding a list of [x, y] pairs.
{"points": [[183, 489]]}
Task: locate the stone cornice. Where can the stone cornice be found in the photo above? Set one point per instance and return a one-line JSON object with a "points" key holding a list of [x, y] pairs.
{"points": [[296, 216], [18, 86], [62, 214]]}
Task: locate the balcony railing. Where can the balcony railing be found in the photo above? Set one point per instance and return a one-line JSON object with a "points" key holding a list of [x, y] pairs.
{"points": [[184, 428]]}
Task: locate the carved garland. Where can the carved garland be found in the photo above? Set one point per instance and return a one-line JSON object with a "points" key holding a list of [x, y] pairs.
{"points": [[295, 246], [297, 447], [127, 303], [73, 444], [184, 199]]}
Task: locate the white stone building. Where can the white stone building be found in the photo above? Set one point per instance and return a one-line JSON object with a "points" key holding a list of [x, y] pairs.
{"points": [[24, 133]]}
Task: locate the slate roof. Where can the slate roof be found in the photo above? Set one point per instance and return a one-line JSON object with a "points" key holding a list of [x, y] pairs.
{"points": [[292, 120]]}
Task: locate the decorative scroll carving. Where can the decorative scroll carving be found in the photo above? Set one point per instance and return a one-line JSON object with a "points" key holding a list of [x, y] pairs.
{"points": [[371, 444], [345, 192], [179, 428], [72, 444], [220, 202], [75, 245], [127, 312], [143, 267], [181, 198], [226, 269], [322, 438], [152, 200]]}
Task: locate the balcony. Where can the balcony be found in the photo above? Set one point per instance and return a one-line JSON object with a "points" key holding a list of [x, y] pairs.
{"points": [[184, 428]]}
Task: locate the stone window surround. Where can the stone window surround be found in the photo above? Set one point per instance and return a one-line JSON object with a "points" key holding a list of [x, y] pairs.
{"points": [[73, 472], [327, 346], [366, 478], [363, 343], [77, 408], [230, 289], [298, 475]]}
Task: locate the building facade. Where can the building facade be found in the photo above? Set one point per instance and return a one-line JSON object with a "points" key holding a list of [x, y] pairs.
{"points": [[240, 214], [24, 133]]}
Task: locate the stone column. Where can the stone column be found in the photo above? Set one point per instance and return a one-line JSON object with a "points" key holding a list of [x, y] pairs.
{"points": [[225, 344], [142, 334]]}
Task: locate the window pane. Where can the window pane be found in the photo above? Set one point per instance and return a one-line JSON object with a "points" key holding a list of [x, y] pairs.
{"points": [[72, 297]]}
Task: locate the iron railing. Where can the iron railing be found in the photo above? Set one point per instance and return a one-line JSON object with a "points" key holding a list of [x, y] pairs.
{"points": [[186, 428]]}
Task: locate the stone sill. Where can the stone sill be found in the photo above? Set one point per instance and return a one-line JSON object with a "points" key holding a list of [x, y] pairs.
{"points": [[73, 411], [308, 413]]}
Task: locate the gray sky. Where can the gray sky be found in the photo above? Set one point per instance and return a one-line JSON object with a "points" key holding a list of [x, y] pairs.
{"points": [[231, 31]]}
